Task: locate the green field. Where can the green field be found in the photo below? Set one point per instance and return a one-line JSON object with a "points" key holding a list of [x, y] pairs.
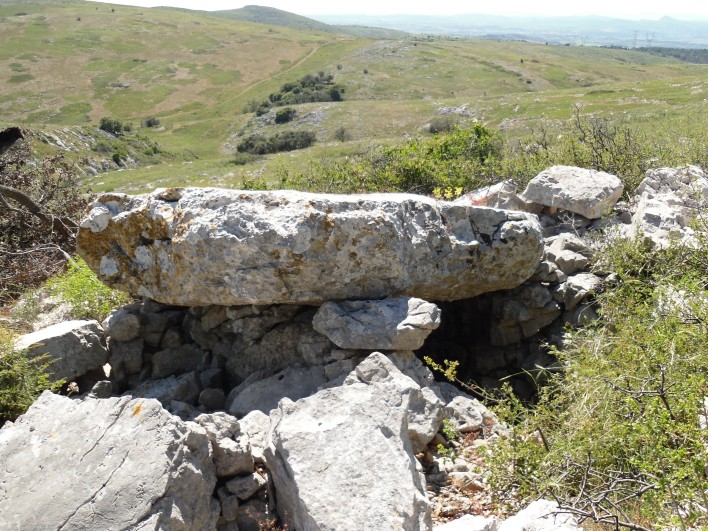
{"points": [[66, 64]]}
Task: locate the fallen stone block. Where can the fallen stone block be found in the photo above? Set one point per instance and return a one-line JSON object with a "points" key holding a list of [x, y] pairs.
{"points": [[73, 347], [589, 193], [401, 323], [115, 463], [349, 448]]}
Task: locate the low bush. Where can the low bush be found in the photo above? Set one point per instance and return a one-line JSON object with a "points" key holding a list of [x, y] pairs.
{"points": [[463, 158], [88, 296], [151, 121], [114, 126], [442, 124], [285, 115], [22, 379], [342, 134], [308, 89], [285, 141], [615, 438]]}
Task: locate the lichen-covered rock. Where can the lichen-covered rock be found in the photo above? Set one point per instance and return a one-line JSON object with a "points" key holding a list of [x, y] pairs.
{"points": [[105, 464], [229, 247], [589, 193], [401, 323]]}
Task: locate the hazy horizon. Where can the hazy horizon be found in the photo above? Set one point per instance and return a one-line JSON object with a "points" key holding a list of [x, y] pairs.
{"points": [[686, 10]]}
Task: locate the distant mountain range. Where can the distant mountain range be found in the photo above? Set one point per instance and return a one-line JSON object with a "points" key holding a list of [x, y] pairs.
{"points": [[586, 30]]}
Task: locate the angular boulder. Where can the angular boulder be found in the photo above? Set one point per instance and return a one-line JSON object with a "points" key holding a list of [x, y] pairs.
{"points": [[105, 464], [73, 347], [229, 247], [589, 193], [344, 457], [400, 323]]}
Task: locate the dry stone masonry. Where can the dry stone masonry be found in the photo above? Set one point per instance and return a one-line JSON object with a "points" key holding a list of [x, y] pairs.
{"points": [[268, 375]]}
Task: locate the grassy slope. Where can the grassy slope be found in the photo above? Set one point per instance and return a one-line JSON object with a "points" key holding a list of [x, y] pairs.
{"points": [[197, 71]]}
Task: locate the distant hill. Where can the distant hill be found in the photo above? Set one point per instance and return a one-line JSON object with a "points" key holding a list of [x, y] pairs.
{"points": [[278, 17], [587, 30]]}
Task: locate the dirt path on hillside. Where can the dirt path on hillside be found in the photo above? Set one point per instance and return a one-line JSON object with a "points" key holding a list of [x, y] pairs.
{"points": [[294, 66]]}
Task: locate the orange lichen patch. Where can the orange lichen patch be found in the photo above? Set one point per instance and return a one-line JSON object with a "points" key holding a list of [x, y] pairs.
{"points": [[137, 409], [119, 240]]}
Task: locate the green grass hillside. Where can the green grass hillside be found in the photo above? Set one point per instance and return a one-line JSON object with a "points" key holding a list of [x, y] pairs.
{"points": [[66, 64]]}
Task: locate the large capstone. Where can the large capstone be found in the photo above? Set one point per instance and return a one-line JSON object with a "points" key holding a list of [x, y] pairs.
{"points": [[198, 247]]}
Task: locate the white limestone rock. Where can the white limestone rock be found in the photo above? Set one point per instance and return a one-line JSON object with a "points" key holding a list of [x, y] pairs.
{"points": [[469, 522], [589, 193], [264, 395], [74, 347], [184, 388], [541, 515], [401, 323], [231, 446], [350, 447], [115, 463], [500, 195], [230, 247]]}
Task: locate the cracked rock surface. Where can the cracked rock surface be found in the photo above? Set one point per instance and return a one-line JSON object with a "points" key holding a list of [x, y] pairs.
{"points": [[230, 247], [105, 464]]}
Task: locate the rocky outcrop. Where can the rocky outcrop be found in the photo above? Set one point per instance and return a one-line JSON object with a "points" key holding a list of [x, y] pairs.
{"points": [[274, 307], [668, 199], [105, 464], [233, 247]]}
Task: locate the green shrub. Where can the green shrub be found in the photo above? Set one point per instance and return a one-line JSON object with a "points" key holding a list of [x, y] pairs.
{"points": [[342, 134], [241, 159], [285, 115], [308, 89], [88, 296], [463, 158], [442, 124], [151, 121], [111, 125], [615, 437], [22, 379], [285, 141]]}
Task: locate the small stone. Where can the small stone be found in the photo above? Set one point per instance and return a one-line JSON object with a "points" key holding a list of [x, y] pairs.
{"points": [[212, 398], [245, 487], [229, 505], [74, 347], [170, 361], [102, 389], [122, 324]]}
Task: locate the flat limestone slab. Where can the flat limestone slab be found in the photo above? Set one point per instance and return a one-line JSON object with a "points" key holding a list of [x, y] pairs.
{"points": [[200, 246], [104, 464]]}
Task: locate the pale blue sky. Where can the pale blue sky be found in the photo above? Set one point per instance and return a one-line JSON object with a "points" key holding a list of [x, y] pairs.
{"points": [[633, 9]]}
